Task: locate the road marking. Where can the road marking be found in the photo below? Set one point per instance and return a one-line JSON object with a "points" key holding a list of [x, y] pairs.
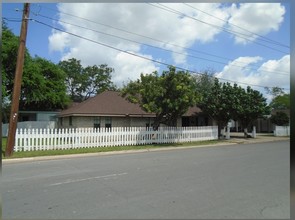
{"points": [[90, 178]]}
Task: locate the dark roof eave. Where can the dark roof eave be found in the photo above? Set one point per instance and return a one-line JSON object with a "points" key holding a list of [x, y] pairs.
{"points": [[105, 115]]}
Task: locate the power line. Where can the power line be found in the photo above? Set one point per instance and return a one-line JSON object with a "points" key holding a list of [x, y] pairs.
{"points": [[171, 10], [236, 33], [136, 55], [12, 19], [150, 38], [266, 39], [166, 8], [157, 40]]}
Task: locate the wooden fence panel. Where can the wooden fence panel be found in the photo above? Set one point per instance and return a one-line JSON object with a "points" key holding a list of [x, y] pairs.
{"points": [[56, 139]]}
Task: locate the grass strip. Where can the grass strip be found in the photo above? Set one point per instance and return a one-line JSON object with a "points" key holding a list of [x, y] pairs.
{"points": [[24, 154]]}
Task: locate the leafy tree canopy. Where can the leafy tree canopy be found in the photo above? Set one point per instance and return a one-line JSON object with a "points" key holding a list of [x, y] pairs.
{"points": [[10, 44], [168, 95], [274, 91], [42, 81], [43, 86], [217, 102], [280, 99], [83, 83], [205, 81], [250, 105], [280, 119], [223, 102], [281, 102]]}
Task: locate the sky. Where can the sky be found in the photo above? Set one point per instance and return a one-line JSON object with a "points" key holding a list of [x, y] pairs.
{"points": [[246, 43]]}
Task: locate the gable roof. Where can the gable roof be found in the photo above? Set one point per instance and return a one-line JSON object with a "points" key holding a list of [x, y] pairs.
{"points": [[110, 103]]}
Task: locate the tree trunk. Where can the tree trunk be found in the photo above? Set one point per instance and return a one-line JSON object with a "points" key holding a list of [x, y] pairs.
{"points": [[157, 122], [245, 132], [219, 132], [156, 125], [220, 127]]}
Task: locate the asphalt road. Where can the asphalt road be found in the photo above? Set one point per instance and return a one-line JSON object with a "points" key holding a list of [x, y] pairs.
{"points": [[237, 181]]}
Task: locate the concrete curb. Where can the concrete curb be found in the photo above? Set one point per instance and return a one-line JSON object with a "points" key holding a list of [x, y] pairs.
{"points": [[233, 141]]}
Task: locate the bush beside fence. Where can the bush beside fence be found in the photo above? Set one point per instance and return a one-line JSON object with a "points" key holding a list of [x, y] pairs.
{"points": [[56, 139]]}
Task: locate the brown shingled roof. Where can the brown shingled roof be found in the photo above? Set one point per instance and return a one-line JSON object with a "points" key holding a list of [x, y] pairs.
{"points": [[108, 103], [193, 111], [111, 103]]}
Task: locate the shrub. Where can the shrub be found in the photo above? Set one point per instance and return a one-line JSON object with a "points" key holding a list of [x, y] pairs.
{"points": [[280, 119]]}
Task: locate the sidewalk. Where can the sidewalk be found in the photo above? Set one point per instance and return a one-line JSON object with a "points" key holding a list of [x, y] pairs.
{"points": [[236, 138]]}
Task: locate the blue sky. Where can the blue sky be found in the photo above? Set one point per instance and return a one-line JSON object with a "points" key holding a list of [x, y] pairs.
{"points": [[187, 29]]}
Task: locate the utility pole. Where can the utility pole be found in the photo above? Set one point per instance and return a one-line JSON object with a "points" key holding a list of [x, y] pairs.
{"points": [[17, 82]]}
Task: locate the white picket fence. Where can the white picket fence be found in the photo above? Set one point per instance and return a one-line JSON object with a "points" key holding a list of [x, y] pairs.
{"points": [[56, 139], [282, 131]]}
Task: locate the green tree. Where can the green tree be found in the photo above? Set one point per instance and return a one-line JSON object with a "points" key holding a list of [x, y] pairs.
{"points": [[218, 103], [10, 44], [74, 77], [280, 100], [168, 95], [204, 81], [280, 119], [96, 79], [274, 91], [42, 81], [249, 106], [43, 86], [83, 83]]}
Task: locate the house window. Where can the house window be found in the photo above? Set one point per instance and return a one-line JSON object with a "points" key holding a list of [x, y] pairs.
{"points": [[61, 121], [71, 120], [108, 122], [96, 122]]}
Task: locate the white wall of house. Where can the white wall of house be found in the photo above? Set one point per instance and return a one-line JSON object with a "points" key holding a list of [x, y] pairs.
{"points": [[30, 125], [88, 121], [37, 116], [119, 122], [84, 122], [46, 116]]}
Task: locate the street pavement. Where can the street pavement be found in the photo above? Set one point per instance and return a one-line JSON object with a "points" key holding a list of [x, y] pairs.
{"points": [[236, 138], [223, 181]]}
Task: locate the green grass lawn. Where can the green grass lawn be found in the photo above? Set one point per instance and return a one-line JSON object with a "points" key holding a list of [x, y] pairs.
{"points": [[4, 141], [97, 149]]}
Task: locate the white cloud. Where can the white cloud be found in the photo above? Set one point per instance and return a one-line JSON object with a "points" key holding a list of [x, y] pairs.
{"points": [[130, 68], [239, 71], [280, 66], [259, 18], [154, 23], [143, 19], [58, 41], [270, 73]]}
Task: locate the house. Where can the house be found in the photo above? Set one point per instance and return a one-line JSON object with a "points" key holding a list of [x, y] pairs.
{"points": [[37, 116], [262, 125], [34, 119], [110, 109], [195, 117]]}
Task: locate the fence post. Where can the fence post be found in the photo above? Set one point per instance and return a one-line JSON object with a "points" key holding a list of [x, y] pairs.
{"points": [[227, 132], [254, 132]]}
